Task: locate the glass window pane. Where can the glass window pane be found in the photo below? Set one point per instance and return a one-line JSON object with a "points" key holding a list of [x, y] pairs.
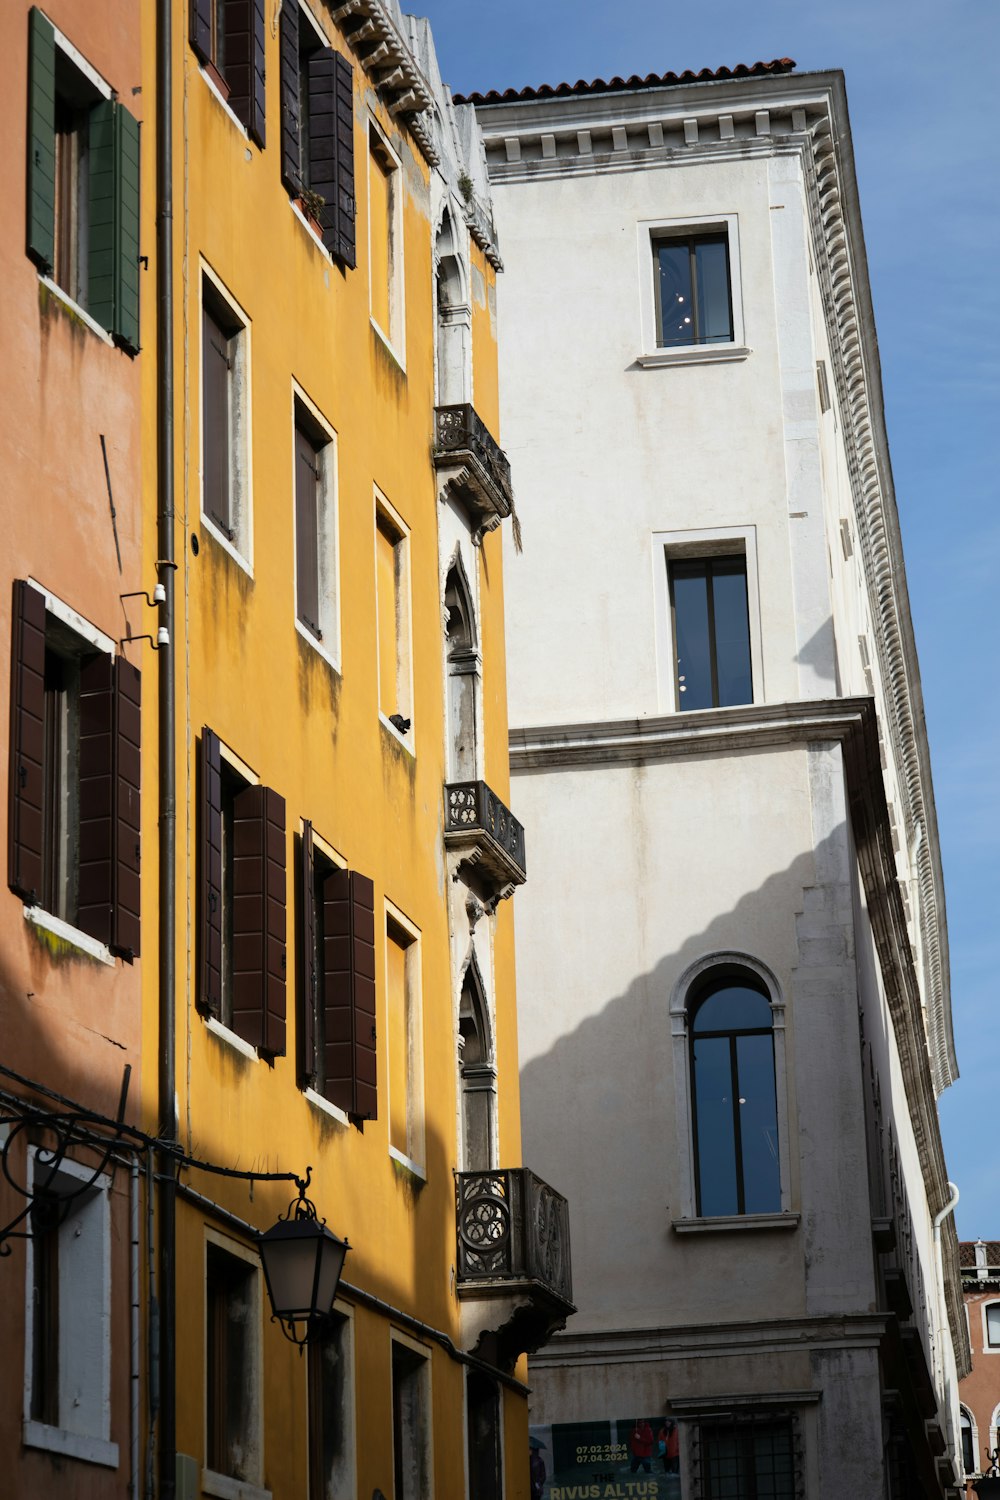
{"points": [[694, 659], [993, 1325], [733, 1007], [674, 288], [758, 1124], [732, 631], [968, 1456], [715, 319], [713, 1096]]}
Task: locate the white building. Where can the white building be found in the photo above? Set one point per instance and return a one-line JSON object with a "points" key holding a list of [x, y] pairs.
{"points": [[732, 952]]}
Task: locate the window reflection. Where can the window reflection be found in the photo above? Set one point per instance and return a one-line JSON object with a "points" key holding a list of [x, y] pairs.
{"points": [[735, 1107], [711, 631], [694, 304]]}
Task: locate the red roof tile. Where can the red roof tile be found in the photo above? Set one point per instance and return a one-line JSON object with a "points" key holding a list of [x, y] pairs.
{"points": [[617, 85]]}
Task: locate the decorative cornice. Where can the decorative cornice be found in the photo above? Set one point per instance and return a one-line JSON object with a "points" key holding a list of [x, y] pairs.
{"points": [[373, 30]]}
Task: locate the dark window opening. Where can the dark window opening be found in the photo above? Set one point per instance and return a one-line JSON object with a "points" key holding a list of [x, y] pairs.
{"points": [[61, 808], [45, 1217], [483, 1422], [478, 1076], [230, 1355], [693, 293], [231, 784], [330, 1438], [711, 620], [75, 98], [968, 1452], [309, 540], [410, 1418], [735, 1103], [748, 1459], [229, 39], [220, 351]]}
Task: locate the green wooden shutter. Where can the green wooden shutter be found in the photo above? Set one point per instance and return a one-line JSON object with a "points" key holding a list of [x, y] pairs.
{"points": [[101, 236], [41, 140], [126, 320]]}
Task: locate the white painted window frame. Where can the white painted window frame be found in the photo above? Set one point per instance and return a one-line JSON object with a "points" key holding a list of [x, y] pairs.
{"points": [[714, 541], [393, 337], [213, 1483], [968, 1412], [241, 422], [649, 230], [415, 1157], [396, 1336], [328, 535], [93, 1303], [404, 620], [684, 1088], [987, 1347]]}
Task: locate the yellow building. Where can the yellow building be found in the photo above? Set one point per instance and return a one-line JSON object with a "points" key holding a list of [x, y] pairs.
{"points": [[335, 980]]}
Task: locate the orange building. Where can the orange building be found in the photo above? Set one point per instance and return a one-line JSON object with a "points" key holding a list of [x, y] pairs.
{"points": [[70, 971]]}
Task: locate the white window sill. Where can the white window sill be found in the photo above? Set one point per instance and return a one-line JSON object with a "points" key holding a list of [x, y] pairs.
{"points": [[231, 1489], [309, 227], [92, 1450], [408, 1163], [77, 310], [317, 646], [324, 1105], [705, 354], [219, 536], [406, 740], [67, 933], [221, 99], [225, 1035], [390, 346], [727, 1223]]}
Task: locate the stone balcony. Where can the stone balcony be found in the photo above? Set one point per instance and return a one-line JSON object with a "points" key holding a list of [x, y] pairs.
{"points": [[485, 837], [472, 466], [514, 1276]]}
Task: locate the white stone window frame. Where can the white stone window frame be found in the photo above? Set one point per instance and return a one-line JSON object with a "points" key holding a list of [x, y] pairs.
{"points": [[684, 1093], [650, 355], [396, 1336], [240, 547], [328, 534], [223, 1486], [37, 915], [404, 621], [393, 337], [414, 1160], [714, 541], [90, 1328], [987, 1347]]}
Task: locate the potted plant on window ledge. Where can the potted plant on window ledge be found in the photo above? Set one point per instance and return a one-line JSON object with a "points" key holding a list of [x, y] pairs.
{"points": [[312, 205]]}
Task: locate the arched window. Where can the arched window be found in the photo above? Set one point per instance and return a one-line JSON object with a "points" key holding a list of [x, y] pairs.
{"points": [[968, 1443], [454, 319], [734, 1101], [478, 1074], [463, 667]]}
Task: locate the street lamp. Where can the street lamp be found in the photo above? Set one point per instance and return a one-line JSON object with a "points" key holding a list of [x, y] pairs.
{"points": [[302, 1262], [988, 1485]]}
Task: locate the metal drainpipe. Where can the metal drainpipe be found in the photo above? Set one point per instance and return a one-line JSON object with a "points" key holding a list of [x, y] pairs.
{"points": [[166, 568], [942, 1309]]}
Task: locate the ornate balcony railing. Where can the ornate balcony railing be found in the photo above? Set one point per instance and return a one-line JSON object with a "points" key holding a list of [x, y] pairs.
{"points": [[485, 833], [472, 462], [512, 1228]]}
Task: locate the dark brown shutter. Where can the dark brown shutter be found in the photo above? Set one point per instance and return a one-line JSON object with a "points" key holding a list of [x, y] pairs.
{"points": [[126, 833], [321, 144], [291, 164], [201, 28], [306, 533], [209, 998], [97, 721], [244, 63], [308, 976], [259, 918], [349, 1063], [346, 206], [26, 775], [215, 422]]}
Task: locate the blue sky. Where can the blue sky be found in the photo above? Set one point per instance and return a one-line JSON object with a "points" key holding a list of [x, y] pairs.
{"points": [[919, 87]]}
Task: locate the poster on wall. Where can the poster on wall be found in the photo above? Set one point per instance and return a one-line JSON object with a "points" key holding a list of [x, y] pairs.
{"points": [[628, 1458]]}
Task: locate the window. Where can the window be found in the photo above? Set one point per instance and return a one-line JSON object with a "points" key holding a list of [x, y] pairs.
{"points": [[411, 1423], [331, 1409], [225, 421], [242, 900], [68, 1348], [75, 731], [463, 675], [228, 37], [478, 1074], [402, 971], [392, 596], [83, 184], [385, 251], [316, 603], [317, 129], [968, 1444], [734, 1097], [711, 625], [336, 982], [746, 1458], [693, 298], [992, 1311], [232, 1364], [482, 1397]]}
